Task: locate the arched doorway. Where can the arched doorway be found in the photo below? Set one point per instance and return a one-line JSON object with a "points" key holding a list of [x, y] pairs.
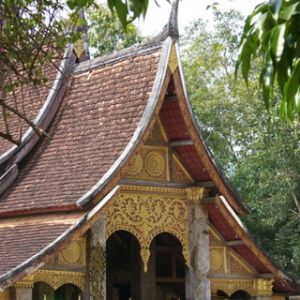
{"points": [[170, 268], [68, 292], [123, 265], [240, 295], [42, 291]]}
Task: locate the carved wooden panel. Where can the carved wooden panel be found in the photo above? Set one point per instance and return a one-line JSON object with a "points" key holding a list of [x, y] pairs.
{"points": [[150, 163], [74, 253], [146, 214]]}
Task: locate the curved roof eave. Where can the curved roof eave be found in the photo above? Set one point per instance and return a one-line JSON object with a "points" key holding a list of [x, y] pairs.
{"points": [[78, 228], [140, 130], [219, 179], [42, 120], [243, 233]]}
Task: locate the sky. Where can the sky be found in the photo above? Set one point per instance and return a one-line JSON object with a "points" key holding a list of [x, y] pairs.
{"points": [[189, 10]]}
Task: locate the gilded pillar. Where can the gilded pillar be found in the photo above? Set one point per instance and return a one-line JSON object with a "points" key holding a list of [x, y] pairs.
{"points": [[148, 279], [197, 281], [98, 261]]}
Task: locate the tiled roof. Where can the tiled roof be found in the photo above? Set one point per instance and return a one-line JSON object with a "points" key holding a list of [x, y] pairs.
{"points": [[96, 120], [21, 239], [29, 100]]}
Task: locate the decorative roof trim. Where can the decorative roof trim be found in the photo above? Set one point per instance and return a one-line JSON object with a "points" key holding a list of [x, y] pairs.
{"points": [[113, 58], [47, 112], [234, 199], [139, 132], [8, 178], [36, 261], [173, 31], [243, 233]]}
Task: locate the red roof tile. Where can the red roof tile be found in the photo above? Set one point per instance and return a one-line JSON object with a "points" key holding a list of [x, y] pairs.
{"points": [[96, 120]]}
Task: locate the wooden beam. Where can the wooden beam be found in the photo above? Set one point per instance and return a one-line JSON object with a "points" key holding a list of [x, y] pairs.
{"points": [[207, 200], [153, 183], [179, 143], [171, 98], [207, 184], [234, 243]]}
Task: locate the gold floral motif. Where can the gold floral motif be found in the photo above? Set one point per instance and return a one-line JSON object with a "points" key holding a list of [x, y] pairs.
{"points": [[195, 193], [54, 278], [237, 267], [136, 165], [150, 163], [74, 253], [254, 287], [155, 163], [146, 216], [217, 263]]}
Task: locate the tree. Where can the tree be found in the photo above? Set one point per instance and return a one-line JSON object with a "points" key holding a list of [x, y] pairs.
{"points": [[272, 31], [257, 150], [33, 34], [107, 34]]}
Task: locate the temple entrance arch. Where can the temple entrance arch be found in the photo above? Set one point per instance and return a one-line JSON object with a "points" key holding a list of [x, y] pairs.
{"points": [[123, 266], [43, 291], [169, 267], [237, 295], [240, 295]]}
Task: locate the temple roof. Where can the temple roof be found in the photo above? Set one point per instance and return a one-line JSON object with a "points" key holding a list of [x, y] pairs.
{"points": [[98, 113]]}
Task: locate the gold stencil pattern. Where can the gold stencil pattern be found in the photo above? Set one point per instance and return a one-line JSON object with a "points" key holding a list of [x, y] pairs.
{"points": [[54, 278], [150, 163], [146, 215], [74, 254], [254, 287], [217, 263]]}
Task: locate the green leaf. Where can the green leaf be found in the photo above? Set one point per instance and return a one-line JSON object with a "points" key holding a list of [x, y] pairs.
{"points": [[289, 11], [122, 12], [275, 6], [290, 91], [278, 41]]}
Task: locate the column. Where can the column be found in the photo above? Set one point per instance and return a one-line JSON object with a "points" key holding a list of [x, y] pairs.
{"points": [[197, 281], [98, 261], [148, 279], [23, 293]]}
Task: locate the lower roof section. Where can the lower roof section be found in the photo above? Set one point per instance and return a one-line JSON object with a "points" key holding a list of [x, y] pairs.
{"points": [[228, 224], [23, 238]]}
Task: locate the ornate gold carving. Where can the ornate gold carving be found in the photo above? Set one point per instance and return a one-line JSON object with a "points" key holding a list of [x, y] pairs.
{"points": [[155, 163], [145, 216], [26, 282], [229, 286], [254, 287], [174, 192], [97, 271], [136, 165], [54, 278], [74, 253], [237, 266], [217, 259], [173, 63], [263, 287], [5, 295], [195, 193], [180, 174], [151, 163]]}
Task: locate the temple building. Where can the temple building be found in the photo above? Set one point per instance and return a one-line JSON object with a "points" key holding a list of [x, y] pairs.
{"points": [[124, 201]]}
